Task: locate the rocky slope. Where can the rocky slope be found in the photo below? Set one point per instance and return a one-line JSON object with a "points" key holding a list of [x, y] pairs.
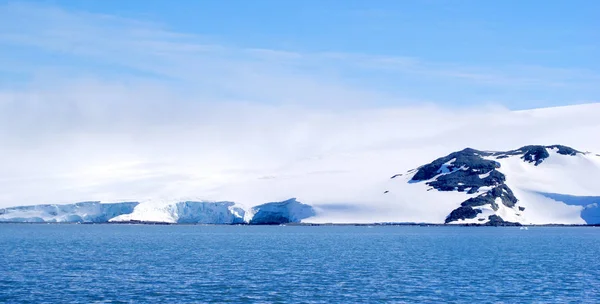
{"points": [[529, 185]]}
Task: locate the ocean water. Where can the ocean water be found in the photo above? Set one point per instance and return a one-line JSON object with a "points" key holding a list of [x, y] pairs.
{"points": [[277, 264]]}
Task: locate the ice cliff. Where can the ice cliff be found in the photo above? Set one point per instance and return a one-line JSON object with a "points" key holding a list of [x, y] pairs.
{"points": [[84, 212], [186, 212]]}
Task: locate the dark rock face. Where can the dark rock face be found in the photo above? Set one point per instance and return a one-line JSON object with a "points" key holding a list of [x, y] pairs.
{"points": [[505, 193], [469, 170], [462, 171], [469, 158], [564, 150], [531, 154], [495, 220], [488, 198], [467, 179], [462, 213], [536, 154], [481, 200]]}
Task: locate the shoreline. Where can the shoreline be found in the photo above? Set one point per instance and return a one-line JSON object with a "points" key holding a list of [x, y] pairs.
{"points": [[303, 224]]}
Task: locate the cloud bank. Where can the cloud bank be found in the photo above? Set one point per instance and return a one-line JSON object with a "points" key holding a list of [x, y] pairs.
{"points": [[96, 107]]}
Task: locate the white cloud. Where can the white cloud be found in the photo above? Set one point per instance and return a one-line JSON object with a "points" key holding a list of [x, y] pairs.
{"points": [[139, 111]]}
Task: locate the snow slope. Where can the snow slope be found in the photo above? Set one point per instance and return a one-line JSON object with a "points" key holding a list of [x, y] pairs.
{"points": [[530, 185], [339, 164], [543, 189]]}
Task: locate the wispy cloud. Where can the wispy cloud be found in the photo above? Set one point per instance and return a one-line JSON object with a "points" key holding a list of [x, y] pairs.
{"points": [[269, 75], [116, 108]]}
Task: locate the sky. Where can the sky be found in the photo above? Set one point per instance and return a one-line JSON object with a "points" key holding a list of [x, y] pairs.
{"points": [[120, 99], [454, 53]]}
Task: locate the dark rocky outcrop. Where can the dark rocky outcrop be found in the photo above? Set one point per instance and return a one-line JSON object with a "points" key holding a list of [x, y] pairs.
{"points": [[531, 154], [505, 193], [469, 158], [462, 213], [489, 198], [469, 170], [564, 150], [495, 220], [467, 180], [535, 153], [461, 171]]}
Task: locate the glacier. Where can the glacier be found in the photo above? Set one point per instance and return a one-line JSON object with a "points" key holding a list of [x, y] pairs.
{"points": [[345, 178], [289, 211], [531, 185], [83, 212], [185, 212], [229, 213]]}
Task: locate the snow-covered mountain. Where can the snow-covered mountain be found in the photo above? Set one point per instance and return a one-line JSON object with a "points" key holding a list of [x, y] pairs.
{"points": [[530, 185], [339, 165]]}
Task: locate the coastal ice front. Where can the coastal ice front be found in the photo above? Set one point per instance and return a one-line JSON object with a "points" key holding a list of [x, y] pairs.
{"points": [[187, 212], [530, 185], [84, 212], [487, 166]]}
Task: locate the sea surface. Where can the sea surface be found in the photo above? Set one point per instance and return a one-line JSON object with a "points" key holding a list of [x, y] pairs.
{"points": [[290, 264]]}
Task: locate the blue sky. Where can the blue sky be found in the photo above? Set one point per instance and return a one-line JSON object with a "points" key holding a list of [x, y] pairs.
{"points": [[518, 54]]}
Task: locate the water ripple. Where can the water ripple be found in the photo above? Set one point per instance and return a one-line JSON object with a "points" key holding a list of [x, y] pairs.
{"points": [[247, 264]]}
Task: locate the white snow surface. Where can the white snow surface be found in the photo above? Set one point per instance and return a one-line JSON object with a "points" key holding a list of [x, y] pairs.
{"points": [[340, 164], [184, 212], [577, 175]]}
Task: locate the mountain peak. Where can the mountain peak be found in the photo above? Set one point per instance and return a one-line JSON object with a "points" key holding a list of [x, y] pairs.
{"points": [[480, 176], [536, 153]]}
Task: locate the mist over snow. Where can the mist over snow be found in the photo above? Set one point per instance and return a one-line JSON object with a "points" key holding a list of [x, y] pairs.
{"points": [[69, 145], [113, 109]]}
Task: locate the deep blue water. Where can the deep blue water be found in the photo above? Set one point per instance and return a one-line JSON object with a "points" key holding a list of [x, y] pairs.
{"points": [[251, 264]]}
